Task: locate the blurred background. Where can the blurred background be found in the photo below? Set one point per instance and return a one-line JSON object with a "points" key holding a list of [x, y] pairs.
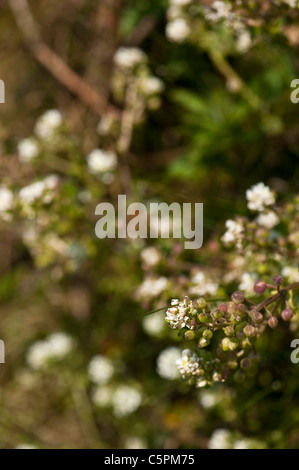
{"points": [[161, 100]]}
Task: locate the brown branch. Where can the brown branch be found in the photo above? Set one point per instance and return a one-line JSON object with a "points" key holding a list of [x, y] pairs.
{"points": [[53, 63]]}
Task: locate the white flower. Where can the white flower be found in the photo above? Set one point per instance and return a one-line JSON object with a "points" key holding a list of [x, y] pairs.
{"points": [[100, 369], [151, 256], [28, 150], [167, 363], [128, 57], [151, 287], [259, 197], [104, 126], [291, 3], [40, 190], [208, 399], [153, 324], [181, 315], [126, 399], [202, 285], [177, 30], [48, 123], [291, 273], [242, 444], [151, 85], [135, 442], [6, 202], [218, 11], [100, 161], [247, 282], [56, 346], [220, 439], [102, 396], [268, 219], [233, 233], [188, 364], [244, 40]]}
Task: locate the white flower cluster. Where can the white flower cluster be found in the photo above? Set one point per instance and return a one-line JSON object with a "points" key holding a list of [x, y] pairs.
{"points": [[220, 439], [101, 161], [202, 285], [259, 197], [100, 369], [151, 287], [178, 30], [208, 399], [135, 442], [181, 314], [28, 149], [42, 191], [167, 363], [189, 367], [150, 85], [125, 399], [6, 203], [234, 232], [54, 347]]}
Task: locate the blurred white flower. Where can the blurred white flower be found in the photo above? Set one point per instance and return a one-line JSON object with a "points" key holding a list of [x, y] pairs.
{"points": [[291, 273], [177, 30], [151, 85], [188, 364], [167, 363], [100, 369], [180, 3], [154, 324], [56, 346], [48, 123], [126, 399], [105, 125], [28, 150], [208, 399], [220, 439], [6, 202], [259, 197], [39, 190], [128, 57], [244, 40], [233, 233], [100, 161], [268, 219], [202, 285], [151, 287], [135, 442], [102, 396], [247, 282], [150, 256]]}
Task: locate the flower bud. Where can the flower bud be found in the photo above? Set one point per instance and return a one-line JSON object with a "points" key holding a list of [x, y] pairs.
{"points": [[223, 308], [273, 322], [287, 314], [238, 297], [189, 335], [203, 342], [201, 302], [257, 317], [229, 330], [245, 363], [278, 280], [203, 317], [235, 318], [218, 314], [249, 331], [231, 307], [207, 334], [260, 287]]}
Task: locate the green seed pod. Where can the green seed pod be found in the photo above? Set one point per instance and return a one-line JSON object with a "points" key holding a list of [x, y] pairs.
{"points": [[207, 334], [203, 317], [249, 331], [203, 342], [218, 314], [189, 335], [201, 302], [232, 364], [245, 363], [238, 297], [235, 318], [229, 330]]}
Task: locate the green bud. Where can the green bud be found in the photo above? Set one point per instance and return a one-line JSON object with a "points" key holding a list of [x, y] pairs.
{"points": [[203, 317], [218, 314], [201, 302], [257, 317], [235, 318], [232, 364], [189, 335], [203, 342], [249, 331], [229, 330], [207, 334]]}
